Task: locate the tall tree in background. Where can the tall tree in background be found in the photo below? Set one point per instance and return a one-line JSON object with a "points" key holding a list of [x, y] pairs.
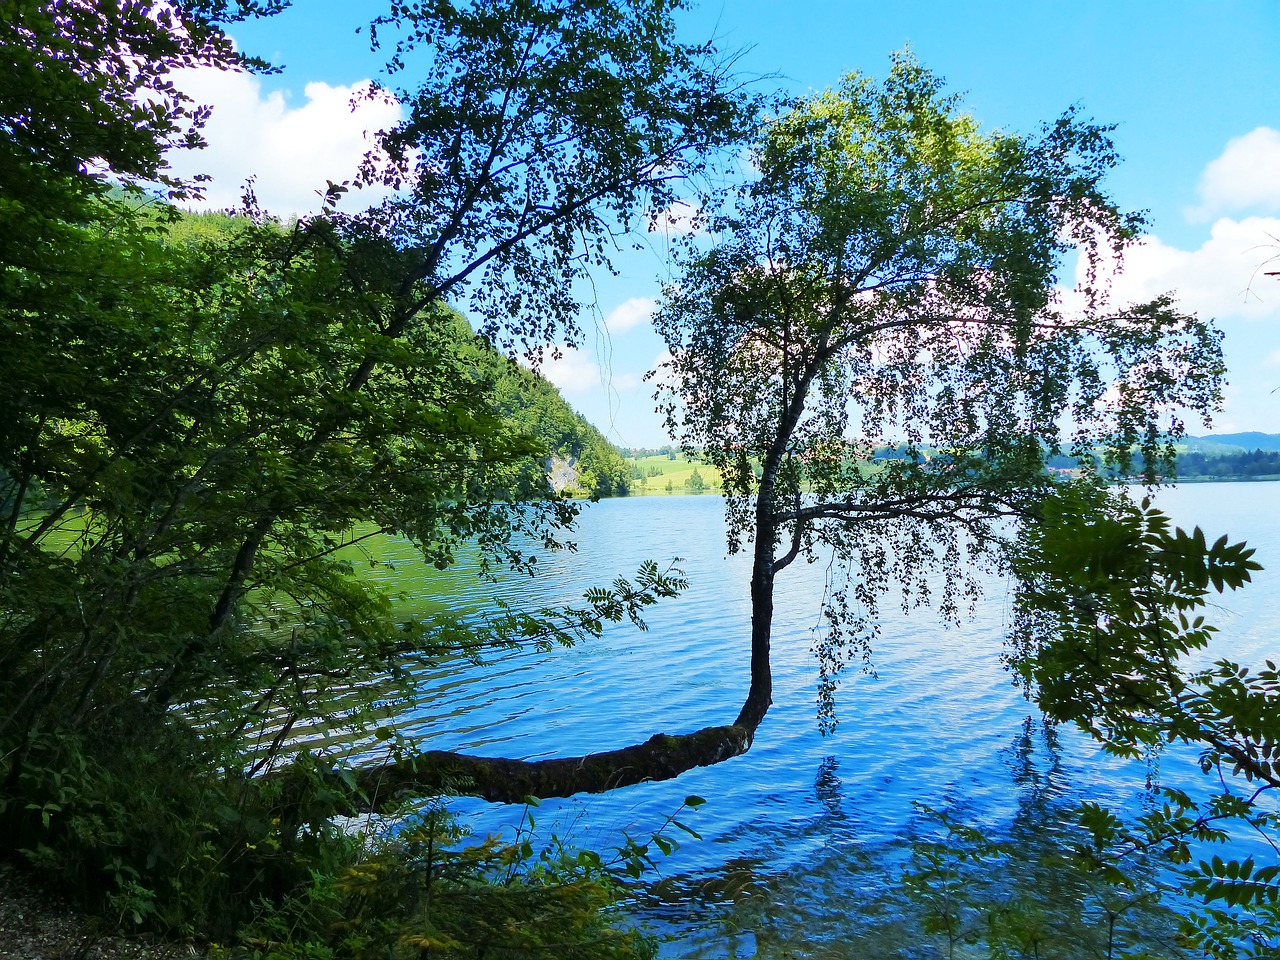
{"points": [[892, 274]]}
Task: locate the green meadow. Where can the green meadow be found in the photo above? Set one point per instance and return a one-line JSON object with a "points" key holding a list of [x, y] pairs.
{"points": [[661, 475]]}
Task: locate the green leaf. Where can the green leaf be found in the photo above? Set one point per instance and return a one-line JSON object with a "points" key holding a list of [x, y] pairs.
{"points": [[687, 829]]}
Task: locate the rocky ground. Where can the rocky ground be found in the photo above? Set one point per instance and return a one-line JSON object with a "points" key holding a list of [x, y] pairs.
{"points": [[35, 925]]}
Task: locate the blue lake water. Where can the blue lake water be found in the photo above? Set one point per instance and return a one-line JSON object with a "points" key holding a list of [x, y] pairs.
{"points": [[803, 837]]}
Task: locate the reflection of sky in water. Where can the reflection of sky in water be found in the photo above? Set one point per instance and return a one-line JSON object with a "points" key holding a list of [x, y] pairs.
{"points": [[803, 835], [848, 900]]}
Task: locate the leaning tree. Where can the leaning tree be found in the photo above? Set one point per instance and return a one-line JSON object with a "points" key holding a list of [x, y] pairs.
{"points": [[196, 424], [873, 345]]}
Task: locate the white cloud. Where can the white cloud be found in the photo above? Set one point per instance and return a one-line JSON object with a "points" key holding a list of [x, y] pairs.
{"points": [[625, 382], [1246, 176], [678, 220], [577, 372], [631, 313], [1221, 278], [573, 372], [661, 374], [291, 150]]}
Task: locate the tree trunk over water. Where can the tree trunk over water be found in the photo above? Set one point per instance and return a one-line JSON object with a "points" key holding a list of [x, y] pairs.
{"points": [[661, 757], [760, 695]]}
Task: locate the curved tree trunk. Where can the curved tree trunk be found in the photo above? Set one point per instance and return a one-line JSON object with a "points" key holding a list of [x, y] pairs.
{"points": [[661, 757], [760, 694]]}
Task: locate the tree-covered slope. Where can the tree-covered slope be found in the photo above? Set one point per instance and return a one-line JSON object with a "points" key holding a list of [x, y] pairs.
{"points": [[524, 399], [1234, 442], [536, 408]]}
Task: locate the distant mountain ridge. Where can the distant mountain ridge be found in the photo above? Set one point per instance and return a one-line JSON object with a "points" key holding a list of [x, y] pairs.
{"points": [[1218, 443]]}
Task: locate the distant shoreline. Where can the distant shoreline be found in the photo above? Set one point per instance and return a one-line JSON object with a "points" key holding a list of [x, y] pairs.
{"points": [[635, 494]]}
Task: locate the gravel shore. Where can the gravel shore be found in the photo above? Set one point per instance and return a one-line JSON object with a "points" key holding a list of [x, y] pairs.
{"points": [[35, 925]]}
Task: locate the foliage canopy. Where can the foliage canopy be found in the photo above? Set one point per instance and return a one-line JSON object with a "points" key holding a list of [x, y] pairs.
{"points": [[891, 275], [195, 423]]}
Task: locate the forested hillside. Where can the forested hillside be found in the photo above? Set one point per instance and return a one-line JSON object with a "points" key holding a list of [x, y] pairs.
{"points": [[1209, 458], [1255, 464], [523, 398], [534, 407]]}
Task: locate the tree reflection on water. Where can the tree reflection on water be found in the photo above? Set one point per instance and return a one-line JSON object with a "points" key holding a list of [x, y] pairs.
{"points": [[949, 885]]}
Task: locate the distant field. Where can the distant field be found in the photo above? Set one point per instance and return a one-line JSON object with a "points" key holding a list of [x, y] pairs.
{"points": [[676, 472]]}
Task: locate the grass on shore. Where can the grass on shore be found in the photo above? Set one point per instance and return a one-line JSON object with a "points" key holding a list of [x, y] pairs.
{"points": [[676, 474]]}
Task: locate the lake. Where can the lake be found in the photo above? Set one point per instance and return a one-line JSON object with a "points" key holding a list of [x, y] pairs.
{"points": [[805, 837]]}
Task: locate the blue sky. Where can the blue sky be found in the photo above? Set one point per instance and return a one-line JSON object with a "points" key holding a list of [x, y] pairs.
{"points": [[1194, 89]]}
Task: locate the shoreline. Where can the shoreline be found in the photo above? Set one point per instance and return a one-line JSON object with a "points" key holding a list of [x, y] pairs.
{"points": [[36, 924]]}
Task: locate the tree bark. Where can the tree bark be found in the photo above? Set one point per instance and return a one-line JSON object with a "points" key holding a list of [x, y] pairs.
{"points": [[760, 694], [661, 757]]}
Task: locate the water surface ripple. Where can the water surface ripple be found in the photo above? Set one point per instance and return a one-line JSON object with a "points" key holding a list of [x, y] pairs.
{"points": [[803, 826]]}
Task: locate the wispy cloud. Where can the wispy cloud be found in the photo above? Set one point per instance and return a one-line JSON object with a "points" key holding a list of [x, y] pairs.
{"points": [[630, 313], [1220, 278], [573, 372]]}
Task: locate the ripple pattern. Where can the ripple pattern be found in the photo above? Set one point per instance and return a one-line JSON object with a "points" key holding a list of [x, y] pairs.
{"points": [[802, 822]]}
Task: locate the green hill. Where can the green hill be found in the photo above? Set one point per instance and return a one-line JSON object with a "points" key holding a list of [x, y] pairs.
{"points": [[581, 461], [670, 473], [1234, 442]]}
